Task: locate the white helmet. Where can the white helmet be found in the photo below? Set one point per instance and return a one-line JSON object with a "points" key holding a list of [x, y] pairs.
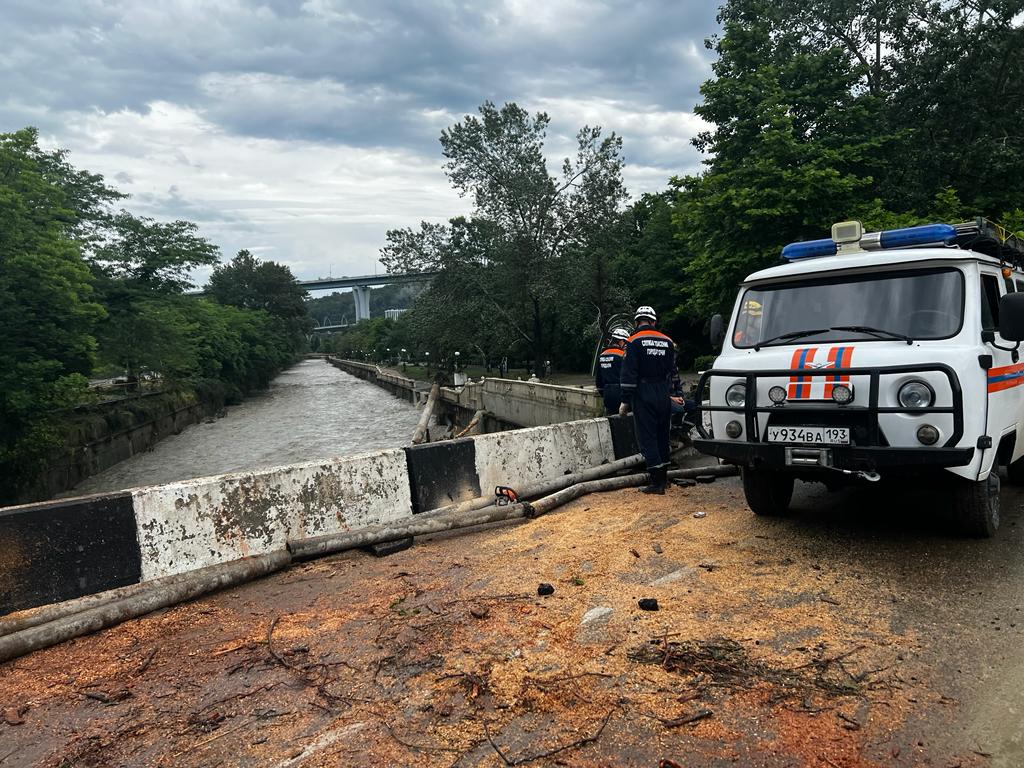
{"points": [[621, 334], [645, 311]]}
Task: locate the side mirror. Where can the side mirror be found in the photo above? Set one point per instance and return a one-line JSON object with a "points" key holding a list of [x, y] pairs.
{"points": [[1011, 317], [717, 330]]}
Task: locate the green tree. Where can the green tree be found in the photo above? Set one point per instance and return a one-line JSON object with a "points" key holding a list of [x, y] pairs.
{"points": [[47, 308], [794, 143], [250, 283], [153, 255], [529, 227]]}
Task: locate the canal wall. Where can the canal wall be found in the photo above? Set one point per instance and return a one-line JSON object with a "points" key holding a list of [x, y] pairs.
{"points": [[56, 551], [98, 437], [507, 403]]}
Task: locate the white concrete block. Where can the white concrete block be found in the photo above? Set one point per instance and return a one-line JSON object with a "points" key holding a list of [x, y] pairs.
{"points": [[521, 457], [211, 520]]}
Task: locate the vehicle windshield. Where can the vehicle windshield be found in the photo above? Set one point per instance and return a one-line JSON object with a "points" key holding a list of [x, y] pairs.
{"points": [[921, 304]]}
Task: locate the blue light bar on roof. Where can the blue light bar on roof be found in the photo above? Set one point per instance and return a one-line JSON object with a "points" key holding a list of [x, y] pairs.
{"points": [[929, 233], [809, 249]]}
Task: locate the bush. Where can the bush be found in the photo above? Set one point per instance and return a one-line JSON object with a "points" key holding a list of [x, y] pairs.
{"points": [[703, 362]]}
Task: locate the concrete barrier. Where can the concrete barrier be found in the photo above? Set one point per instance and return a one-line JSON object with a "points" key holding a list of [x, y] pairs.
{"points": [[61, 550], [522, 457], [198, 523]]}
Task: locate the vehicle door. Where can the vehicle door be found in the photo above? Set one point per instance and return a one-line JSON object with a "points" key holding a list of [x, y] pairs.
{"points": [[1006, 376]]}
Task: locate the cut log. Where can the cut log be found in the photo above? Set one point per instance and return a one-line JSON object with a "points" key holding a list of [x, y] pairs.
{"points": [[151, 598], [420, 434]]}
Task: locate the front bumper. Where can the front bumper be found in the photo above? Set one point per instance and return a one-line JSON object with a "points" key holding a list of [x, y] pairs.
{"points": [[856, 458]]}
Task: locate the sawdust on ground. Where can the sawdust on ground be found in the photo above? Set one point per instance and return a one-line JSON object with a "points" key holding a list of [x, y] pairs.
{"points": [[444, 655]]}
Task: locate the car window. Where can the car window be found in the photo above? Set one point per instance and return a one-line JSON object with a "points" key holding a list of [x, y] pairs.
{"points": [[989, 302]]}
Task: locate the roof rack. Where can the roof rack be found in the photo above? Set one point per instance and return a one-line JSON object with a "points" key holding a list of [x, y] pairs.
{"points": [[989, 238]]}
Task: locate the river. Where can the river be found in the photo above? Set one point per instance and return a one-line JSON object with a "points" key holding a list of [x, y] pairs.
{"points": [[310, 411]]}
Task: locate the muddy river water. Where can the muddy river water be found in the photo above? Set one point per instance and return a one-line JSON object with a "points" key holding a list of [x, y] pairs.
{"points": [[311, 411]]}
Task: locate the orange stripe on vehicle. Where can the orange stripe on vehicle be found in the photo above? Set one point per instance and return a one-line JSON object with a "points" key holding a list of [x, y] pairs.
{"points": [[831, 381], [801, 359], [1005, 377]]}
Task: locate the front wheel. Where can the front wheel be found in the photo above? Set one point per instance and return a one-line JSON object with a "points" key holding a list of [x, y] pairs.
{"points": [[768, 493], [976, 505]]}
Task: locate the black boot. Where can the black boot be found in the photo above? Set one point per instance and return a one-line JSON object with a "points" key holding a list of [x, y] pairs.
{"points": [[658, 477]]}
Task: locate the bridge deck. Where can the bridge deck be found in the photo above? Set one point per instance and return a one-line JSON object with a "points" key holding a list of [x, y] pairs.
{"points": [[802, 643]]}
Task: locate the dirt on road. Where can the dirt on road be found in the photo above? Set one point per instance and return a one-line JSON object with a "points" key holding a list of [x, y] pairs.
{"points": [[860, 634]]}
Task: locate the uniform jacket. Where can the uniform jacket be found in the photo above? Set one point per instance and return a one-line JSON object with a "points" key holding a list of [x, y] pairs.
{"points": [[649, 356], [609, 366]]}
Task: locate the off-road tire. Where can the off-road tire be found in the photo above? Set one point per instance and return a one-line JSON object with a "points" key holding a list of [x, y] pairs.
{"points": [[768, 493], [976, 506]]}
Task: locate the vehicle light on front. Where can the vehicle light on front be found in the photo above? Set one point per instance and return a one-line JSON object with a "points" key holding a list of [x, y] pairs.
{"points": [[777, 395], [736, 396], [842, 394], [927, 434], [734, 429], [916, 394]]}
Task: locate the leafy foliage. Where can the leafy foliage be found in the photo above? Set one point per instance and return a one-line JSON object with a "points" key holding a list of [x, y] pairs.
{"points": [[47, 307], [894, 112], [529, 259], [81, 285], [249, 283]]}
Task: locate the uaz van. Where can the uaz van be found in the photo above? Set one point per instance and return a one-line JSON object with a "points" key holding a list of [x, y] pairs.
{"points": [[871, 355]]}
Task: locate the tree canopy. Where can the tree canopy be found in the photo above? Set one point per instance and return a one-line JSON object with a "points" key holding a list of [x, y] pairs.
{"points": [[531, 236], [823, 111], [86, 289]]}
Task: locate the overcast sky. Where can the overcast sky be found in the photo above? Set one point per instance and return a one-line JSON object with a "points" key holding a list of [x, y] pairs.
{"points": [[303, 131]]}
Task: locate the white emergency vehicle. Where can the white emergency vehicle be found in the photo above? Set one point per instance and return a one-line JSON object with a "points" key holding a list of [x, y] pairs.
{"points": [[872, 355]]}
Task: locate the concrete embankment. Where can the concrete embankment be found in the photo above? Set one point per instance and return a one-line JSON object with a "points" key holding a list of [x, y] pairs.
{"points": [[58, 551], [101, 436], [506, 403]]}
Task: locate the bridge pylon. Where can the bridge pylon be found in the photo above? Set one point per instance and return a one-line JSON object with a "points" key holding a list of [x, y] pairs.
{"points": [[361, 295]]}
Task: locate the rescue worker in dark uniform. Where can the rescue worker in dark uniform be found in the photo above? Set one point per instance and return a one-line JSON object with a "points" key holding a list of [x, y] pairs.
{"points": [[647, 370], [609, 365]]}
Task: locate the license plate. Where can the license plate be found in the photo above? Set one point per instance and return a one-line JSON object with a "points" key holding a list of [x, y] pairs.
{"points": [[810, 435]]}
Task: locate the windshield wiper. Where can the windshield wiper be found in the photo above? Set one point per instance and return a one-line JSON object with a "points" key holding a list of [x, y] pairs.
{"points": [[790, 335], [878, 333]]}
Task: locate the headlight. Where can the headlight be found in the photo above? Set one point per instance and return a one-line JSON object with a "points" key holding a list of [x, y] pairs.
{"points": [[916, 394], [736, 396], [777, 395], [842, 394]]}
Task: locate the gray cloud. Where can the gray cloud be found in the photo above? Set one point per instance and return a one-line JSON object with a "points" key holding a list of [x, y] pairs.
{"points": [[133, 86]]}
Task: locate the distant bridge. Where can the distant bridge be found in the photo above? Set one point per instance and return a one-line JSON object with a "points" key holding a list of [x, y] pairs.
{"points": [[327, 326], [361, 287]]}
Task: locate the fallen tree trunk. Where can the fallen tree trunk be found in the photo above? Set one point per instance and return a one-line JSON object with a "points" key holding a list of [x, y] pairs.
{"points": [[471, 428], [715, 470], [544, 487], [420, 433], [54, 624], [151, 598], [451, 518]]}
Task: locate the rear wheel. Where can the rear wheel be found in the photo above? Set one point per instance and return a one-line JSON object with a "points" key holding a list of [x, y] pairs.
{"points": [[768, 493], [976, 506]]}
